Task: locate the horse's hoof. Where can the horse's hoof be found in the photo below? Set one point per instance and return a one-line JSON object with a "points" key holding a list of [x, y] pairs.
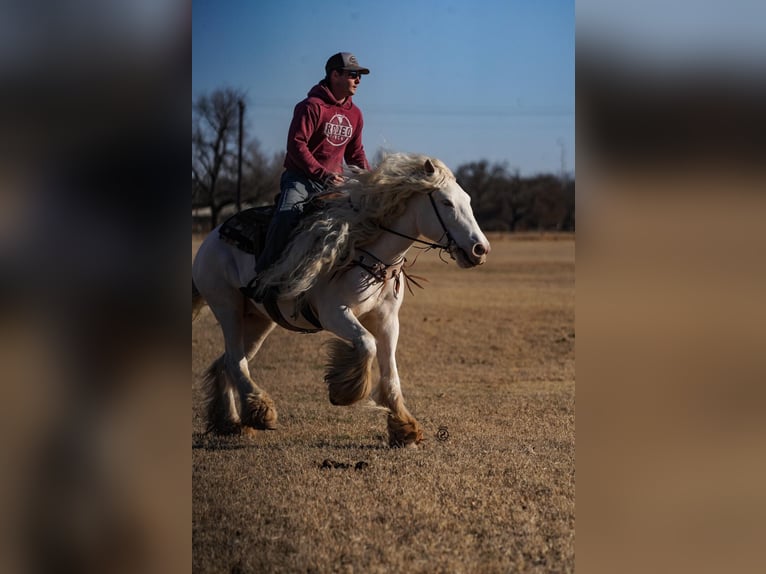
{"points": [[411, 440], [267, 425], [265, 420], [404, 433], [401, 444], [261, 413]]}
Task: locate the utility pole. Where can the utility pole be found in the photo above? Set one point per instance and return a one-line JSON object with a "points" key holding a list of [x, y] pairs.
{"points": [[239, 156]]}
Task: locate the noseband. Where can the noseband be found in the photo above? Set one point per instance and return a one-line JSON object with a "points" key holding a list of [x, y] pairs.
{"points": [[448, 247]]}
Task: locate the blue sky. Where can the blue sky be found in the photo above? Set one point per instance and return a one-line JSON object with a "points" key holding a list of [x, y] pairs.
{"points": [[458, 80]]}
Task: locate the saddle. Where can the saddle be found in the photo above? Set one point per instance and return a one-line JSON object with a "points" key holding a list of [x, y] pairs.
{"points": [[247, 229]]}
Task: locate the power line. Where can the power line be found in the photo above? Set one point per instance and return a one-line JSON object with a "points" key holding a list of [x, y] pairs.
{"points": [[541, 111]]}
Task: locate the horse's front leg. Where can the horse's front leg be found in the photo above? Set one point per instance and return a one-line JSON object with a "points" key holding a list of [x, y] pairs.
{"points": [[349, 368], [403, 429]]}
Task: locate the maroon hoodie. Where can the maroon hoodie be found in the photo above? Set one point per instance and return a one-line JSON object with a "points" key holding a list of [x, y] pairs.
{"points": [[323, 133]]}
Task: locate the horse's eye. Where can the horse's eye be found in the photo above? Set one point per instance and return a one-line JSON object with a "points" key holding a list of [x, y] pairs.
{"points": [[448, 203]]}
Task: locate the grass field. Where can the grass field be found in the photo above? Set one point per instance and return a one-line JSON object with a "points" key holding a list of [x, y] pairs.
{"points": [[487, 363]]}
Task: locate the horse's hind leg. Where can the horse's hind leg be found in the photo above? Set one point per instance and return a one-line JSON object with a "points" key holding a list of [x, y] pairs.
{"points": [[221, 410], [258, 409]]}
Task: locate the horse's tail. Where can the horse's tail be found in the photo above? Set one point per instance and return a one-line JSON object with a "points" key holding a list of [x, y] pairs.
{"points": [[198, 301], [349, 373]]}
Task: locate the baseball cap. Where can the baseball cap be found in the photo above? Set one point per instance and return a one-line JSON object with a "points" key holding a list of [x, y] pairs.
{"points": [[344, 61]]}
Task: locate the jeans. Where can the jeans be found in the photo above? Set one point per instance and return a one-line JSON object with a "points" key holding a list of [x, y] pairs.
{"points": [[295, 190]]}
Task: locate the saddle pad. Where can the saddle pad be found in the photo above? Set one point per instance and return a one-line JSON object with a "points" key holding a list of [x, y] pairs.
{"points": [[247, 229]]}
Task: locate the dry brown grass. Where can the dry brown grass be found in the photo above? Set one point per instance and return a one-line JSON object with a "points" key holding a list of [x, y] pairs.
{"points": [[487, 364]]}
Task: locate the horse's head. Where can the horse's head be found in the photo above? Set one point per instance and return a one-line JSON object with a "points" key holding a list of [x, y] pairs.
{"points": [[445, 216]]}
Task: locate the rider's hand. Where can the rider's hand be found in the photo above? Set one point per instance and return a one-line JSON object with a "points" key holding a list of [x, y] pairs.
{"points": [[335, 179]]}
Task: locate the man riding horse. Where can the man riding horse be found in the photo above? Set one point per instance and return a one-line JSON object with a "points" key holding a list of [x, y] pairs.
{"points": [[326, 130]]}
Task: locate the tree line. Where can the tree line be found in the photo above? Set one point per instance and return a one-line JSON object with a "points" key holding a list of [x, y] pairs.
{"points": [[230, 170]]}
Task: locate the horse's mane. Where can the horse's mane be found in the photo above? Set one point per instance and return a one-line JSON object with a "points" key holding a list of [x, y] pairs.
{"points": [[326, 239]]}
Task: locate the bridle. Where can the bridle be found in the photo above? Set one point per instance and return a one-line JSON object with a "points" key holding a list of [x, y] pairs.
{"points": [[382, 272], [448, 247]]}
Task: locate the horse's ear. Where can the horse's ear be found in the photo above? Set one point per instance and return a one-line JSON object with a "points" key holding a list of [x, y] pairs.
{"points": [[429, 167]]}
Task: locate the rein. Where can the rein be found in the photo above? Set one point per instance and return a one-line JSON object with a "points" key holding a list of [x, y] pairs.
{"points": [[380, 270]]}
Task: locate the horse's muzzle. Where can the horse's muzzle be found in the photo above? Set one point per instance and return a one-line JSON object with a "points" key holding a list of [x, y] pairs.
{"points": [[479, 253]]}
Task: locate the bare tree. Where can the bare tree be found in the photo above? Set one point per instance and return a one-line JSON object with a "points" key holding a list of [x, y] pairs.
{"points": [[498, 198], [505, 201], [548, 208], [568, 220], [260, 183], [215, 123]]}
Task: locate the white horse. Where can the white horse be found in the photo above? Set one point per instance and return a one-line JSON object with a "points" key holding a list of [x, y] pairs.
{"points": [[343, 273]]}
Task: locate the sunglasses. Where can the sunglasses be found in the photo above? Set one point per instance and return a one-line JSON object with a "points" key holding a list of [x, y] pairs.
{"points": [[354, 75]]}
